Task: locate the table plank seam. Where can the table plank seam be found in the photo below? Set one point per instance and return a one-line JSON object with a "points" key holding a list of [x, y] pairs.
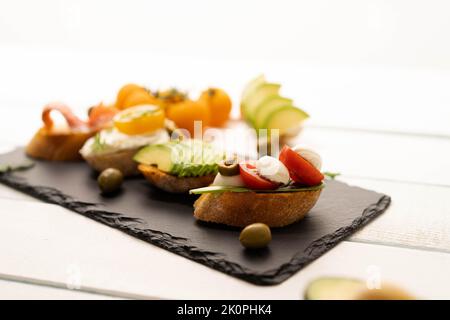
{"points": [[381, 131], [399, 181], [84, 289], [399, 246]]}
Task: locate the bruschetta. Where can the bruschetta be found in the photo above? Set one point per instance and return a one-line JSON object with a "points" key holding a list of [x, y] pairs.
{"points": [[276, 192]]}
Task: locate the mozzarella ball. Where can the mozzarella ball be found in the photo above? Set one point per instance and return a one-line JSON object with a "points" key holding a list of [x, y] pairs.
{"points": [[272, 169], [309, 155]]}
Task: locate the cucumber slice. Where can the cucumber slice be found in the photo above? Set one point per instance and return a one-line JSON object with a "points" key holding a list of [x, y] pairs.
{"points": [[251, 86], [219, 189]]}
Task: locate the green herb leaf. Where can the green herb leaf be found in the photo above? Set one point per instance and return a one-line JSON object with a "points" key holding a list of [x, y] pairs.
{"points": [[331, 175], [98, 145]]}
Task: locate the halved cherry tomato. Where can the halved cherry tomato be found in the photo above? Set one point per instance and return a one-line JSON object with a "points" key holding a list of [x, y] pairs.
{"points": [[300, 170], [139, 120], [252, 180]]}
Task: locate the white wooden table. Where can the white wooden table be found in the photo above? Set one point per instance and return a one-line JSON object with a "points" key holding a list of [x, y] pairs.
{"points": [[384, 129]]}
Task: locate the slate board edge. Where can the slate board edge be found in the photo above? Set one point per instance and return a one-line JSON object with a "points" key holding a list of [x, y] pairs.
{"points": [[179, 245]]}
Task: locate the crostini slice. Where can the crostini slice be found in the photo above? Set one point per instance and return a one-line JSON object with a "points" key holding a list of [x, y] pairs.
{"points": [[62, 143], [276, 192]]}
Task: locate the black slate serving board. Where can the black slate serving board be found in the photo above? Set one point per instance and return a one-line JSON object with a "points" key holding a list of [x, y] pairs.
{"points": [[166, 220]]}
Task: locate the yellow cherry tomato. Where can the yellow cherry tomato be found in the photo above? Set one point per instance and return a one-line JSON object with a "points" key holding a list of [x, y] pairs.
{"points": [[138, 98], [170, 97], [219, 104], [139, 120], [185, 113], [124, 92]]}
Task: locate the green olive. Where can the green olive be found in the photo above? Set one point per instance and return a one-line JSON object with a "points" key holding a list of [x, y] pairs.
{"points": [[229, 167], [110, 180], [256, 235]]}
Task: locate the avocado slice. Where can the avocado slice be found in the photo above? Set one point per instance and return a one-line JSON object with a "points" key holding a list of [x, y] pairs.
{"points": [[183, 159], [284, 119], [159, 155], [251, 86], [267, 107], [333, 288], [261, 93]]}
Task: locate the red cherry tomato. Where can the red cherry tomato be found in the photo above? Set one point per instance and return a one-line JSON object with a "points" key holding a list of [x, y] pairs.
{"points": [[252, 180], [300, 170]]}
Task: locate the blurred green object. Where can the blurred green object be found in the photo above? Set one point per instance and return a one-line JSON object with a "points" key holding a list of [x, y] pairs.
{"points": [[21, 166]]}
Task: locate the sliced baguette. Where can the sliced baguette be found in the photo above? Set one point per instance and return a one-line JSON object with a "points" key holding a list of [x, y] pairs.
{"points": [[171, 183], [240, 209], [60, 145], [121, 160]]}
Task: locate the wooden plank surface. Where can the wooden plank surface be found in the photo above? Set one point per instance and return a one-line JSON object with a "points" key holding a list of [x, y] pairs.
{"points": [[381, 156], [14, 290], [419, 216], [59, 245]]}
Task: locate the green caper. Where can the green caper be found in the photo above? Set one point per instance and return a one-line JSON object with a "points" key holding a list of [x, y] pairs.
{"points": [[229, 167], [256, 235], [110, 180]]}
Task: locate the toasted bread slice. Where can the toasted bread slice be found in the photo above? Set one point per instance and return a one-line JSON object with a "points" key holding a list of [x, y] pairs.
{"points": [[240, 209], [171, 183], [61, 145], [121, 160]]}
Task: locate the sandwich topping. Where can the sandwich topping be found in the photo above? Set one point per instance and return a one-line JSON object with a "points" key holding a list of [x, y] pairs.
{"points": [[112, 140], [309, 155], [133, 128], [187, 158], [140, 120], [290, 173], [99, 117], [301, 171], [228, 174], [231, 181], [273, 169]]}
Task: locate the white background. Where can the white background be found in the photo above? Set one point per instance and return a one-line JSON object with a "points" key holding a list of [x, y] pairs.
{"points": [[396, 32], [367, 64]]}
